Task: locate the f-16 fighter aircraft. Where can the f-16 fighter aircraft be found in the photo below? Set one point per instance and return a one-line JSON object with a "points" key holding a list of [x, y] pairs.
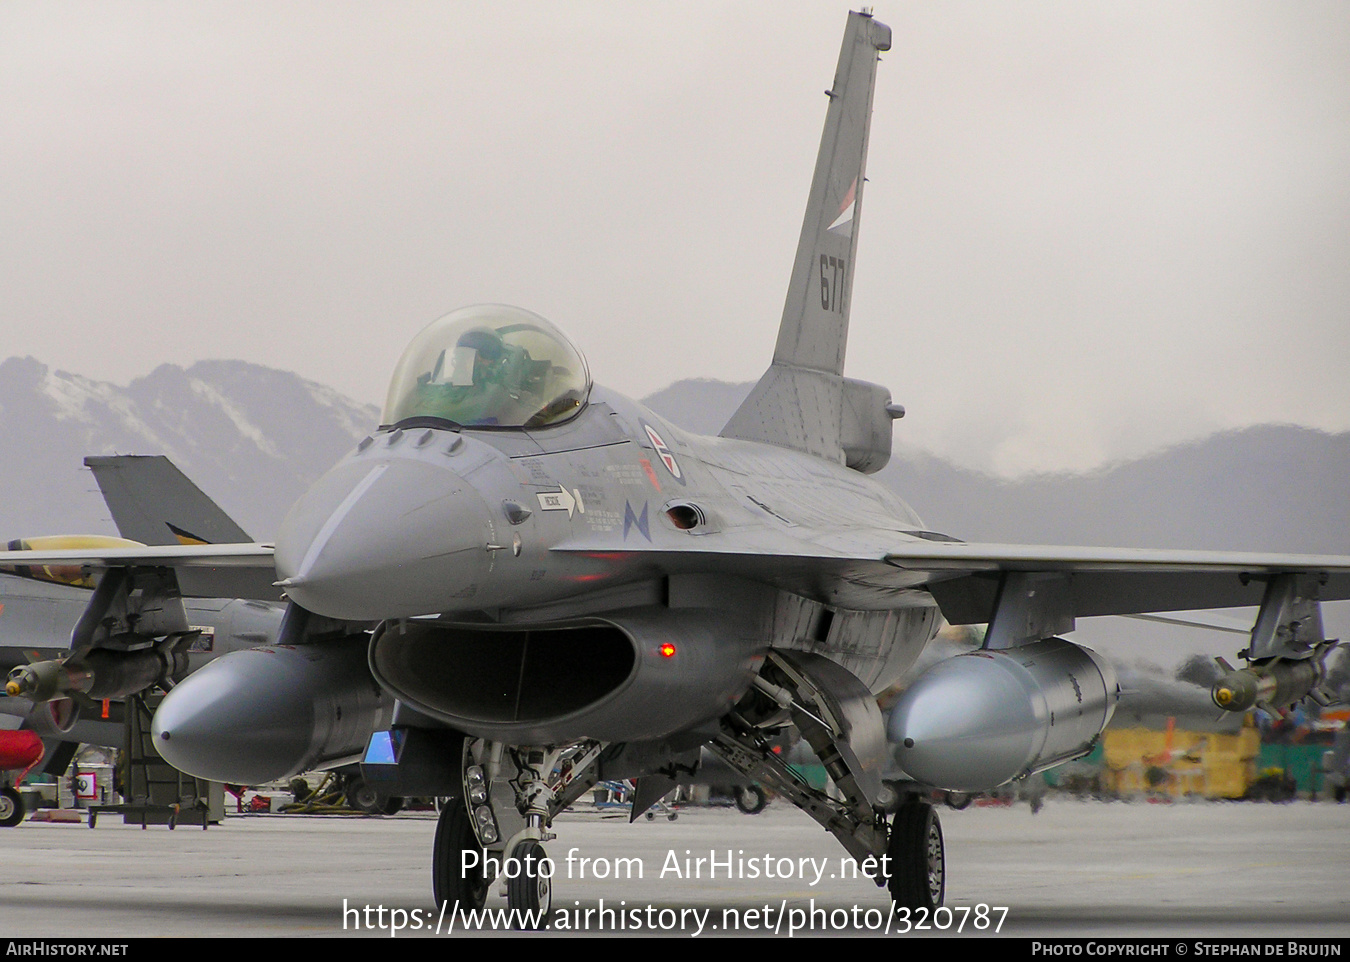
{"points": [[558, 587], [66, 682]]}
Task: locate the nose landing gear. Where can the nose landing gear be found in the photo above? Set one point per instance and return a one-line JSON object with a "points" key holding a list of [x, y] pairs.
{"points": [[499, 823], [458, 867]]}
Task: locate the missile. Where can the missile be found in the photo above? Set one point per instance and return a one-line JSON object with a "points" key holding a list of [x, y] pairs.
{"points": [[45, 680], [1268, 682], [980, 719], [266, 713], [100, 673]]}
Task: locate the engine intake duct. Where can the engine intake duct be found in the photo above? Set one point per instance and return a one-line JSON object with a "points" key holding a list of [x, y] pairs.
{"points": [[626, 677], [508, 675]]}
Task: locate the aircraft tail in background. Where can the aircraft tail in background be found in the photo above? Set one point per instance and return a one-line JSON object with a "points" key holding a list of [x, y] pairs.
{"points": [[154, 503]]}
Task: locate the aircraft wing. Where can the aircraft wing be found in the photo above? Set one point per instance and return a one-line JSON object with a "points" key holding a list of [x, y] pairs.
{"points": [[1114, 581], [877, 570], [204, 570]]}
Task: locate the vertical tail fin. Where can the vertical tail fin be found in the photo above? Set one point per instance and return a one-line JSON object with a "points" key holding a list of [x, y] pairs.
{"points": [[798, 403], [153, 502]]}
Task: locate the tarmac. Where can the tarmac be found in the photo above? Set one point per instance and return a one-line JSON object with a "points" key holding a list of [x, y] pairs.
{"points": [[1076, 869]]}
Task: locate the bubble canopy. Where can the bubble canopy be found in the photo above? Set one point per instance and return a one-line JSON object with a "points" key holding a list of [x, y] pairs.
{"points": [[490, 366]]}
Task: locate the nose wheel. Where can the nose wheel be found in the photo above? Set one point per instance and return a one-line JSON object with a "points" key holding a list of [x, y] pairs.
{"points": [[457, 861], [530, 891], [918, 857]]}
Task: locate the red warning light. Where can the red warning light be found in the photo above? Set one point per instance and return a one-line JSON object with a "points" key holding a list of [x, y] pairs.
{"points": [[667, 650]]}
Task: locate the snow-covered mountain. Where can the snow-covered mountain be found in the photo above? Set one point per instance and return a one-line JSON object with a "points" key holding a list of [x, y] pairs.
{"points": [[252, 437], [1270, 487]]}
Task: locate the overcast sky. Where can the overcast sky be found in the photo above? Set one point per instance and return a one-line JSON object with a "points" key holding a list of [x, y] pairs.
{"points": [[1090, 228]]}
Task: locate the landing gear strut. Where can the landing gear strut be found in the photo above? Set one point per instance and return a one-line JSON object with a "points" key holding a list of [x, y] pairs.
{"points": [[500, 821], [838, 718]]}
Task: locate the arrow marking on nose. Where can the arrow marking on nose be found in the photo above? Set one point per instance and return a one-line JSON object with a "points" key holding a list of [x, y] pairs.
{"points": [[561, 500]]}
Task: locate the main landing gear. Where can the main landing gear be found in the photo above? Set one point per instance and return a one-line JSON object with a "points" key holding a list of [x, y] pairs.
{"points": [[510, 795], [918, 859], [751, 799], [837, 716]]}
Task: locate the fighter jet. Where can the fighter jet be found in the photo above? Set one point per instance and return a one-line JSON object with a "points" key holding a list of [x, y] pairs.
{"points": [[559, 586], [62, 690]]}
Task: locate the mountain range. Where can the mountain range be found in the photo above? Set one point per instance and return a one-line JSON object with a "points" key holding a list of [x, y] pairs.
{"points": [[1271, 487], [251, 437], [254, 438]]}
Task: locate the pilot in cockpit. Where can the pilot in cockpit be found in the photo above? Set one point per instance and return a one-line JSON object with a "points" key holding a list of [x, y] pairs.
{"points": [[487, 382], [489, 366], [479, 359]]}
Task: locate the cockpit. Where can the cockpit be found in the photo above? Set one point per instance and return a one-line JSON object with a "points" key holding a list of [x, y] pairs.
{"points": [[489, 366]]}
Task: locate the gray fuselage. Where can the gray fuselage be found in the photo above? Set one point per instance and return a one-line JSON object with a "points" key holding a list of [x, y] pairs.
{"points": [[615, 518]]}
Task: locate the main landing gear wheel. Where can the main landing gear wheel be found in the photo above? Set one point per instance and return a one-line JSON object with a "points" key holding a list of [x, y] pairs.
{"points": [[362, 797], [918, 857], [11, 808], [454, 837], [958, 800], [751, 799], [531, 890]]}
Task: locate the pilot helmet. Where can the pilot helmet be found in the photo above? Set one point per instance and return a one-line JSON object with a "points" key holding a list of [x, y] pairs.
{"points": [[485, 341]]}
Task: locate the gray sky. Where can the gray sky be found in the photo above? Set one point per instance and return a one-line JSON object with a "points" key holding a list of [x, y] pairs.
{"points": [[1090, 228]]}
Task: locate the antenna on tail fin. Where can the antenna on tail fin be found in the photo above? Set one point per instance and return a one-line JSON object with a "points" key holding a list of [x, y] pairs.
{"points": [[800, 402]]}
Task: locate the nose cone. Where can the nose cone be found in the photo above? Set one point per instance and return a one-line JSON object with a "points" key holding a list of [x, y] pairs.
{"points": [[391, 538]]}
